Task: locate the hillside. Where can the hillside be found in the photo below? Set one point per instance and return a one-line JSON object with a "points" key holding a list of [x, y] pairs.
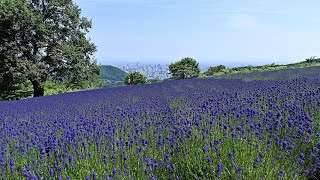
{"points": [[202, 128], [287, 73], [222, 70], [112, 74]]}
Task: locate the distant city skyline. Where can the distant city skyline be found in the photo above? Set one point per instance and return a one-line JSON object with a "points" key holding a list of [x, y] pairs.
{"points": [[202, 62], [213, 32]]}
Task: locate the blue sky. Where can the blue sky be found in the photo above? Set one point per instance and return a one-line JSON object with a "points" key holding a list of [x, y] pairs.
{"points": [[211, 31]]}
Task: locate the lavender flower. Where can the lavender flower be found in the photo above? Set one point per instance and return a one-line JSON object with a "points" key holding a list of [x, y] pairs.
{"points": [[231, 157], [219, 169], [239, 170]]}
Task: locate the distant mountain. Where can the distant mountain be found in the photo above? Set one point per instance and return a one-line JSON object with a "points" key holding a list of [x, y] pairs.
{"points": [[112, 74]]}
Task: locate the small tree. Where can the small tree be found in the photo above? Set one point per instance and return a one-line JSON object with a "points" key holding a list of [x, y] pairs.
{"points": [[134, 78], [185, 68], [215, 69]]}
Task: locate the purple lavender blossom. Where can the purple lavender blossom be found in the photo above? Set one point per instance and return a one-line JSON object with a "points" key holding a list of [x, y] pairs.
{"points": [[219, 169], [239, 170]]}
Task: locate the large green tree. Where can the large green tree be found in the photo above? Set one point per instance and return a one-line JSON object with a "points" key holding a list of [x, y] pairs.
{"points": [[185, 68], [41, 39]]}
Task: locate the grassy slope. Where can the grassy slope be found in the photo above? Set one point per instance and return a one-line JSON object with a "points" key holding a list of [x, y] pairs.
{"points": [[268, 67]]}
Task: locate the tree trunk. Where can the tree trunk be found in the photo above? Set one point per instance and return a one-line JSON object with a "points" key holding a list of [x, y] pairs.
{"points": [[37, 89]]}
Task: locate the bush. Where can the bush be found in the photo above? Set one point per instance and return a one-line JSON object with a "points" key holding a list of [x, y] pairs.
{"points": [[215, 69]]}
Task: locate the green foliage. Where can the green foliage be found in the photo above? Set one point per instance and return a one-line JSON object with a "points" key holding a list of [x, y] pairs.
{"points": [[42, 39], [135, 78], [91, 82], [64, 87], [215, 69], [185, 68], [21, 91], [156, 80], [268, 67], [52, 87], [112, 74], [55, 88], [313, 59]]}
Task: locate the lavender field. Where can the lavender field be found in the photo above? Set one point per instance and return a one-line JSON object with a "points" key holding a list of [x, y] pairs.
{"points": [[210, 128]]}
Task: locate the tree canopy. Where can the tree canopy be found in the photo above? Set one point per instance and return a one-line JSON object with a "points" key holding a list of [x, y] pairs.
{"points": [[134, 78], [215, 69], [185, 68], [42, 39], [313, 59]]}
